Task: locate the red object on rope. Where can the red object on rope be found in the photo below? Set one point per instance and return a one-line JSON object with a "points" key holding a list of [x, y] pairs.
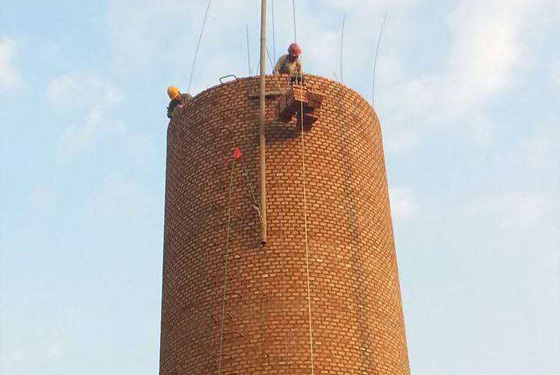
{"points": [[237, 154]]}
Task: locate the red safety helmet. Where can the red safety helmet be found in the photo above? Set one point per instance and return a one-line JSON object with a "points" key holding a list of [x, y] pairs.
{"points": [[294, 49]]}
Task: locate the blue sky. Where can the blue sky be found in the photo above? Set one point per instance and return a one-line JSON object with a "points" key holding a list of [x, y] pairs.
{"points": [[468, 94]]}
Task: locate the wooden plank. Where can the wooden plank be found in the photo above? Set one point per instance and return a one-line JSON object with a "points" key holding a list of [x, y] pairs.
{"points": [[267, 95]]}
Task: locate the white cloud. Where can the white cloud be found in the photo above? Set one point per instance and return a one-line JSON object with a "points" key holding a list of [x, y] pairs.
{"points": [[509, 209], [42, 198], [403, 203], [119, 198], [79, 138], [62, 91], [528, 194], [9, 75], [488, 46], [80, 90], [490, 50], [87, 94], [148, 32], [165, 37]]}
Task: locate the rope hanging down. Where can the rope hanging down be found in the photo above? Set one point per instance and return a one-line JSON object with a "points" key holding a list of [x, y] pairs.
{"points": [[306, 237], [342, 49], [294, 14], [249, 53], [375, 64], [305, 217], [273, 75], [306, 241], [198, 45], [273, 33], [226, 257], [237, 155], [255, 203]]}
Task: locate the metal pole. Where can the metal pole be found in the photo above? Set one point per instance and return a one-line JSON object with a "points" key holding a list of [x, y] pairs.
{"points": [[273, 34], [249, 53], [342, 49], [262, 139]]}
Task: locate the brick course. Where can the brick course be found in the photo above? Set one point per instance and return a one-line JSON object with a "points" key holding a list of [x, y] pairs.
{"points": [[357, 318]]}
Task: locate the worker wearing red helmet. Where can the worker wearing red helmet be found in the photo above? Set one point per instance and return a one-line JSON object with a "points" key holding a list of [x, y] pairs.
{"points": [[290, 63]]}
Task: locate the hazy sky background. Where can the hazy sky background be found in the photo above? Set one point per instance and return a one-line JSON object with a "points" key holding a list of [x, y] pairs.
{"points": [[468, 93]]}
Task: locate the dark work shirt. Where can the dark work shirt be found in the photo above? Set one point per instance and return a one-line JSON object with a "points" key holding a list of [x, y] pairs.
{"points": [[174, 103]]}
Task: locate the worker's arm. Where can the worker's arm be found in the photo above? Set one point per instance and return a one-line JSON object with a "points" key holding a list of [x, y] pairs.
{"points": [[278, 66], [185, 98]]}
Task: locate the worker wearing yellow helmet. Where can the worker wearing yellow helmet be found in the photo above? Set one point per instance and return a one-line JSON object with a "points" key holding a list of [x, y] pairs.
{"points": [[178, 100]]}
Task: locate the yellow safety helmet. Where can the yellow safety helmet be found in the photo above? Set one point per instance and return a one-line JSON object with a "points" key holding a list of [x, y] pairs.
{"points": [[173, 92]]}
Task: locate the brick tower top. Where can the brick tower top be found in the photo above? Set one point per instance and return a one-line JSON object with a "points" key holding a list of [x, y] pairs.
{"points": [[231, 306]]}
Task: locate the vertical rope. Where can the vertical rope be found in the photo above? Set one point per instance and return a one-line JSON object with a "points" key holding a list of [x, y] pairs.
{"points": [[198, 45], [305, 217], [375, 64], [274, 75], [248, 53], [294, 14], [273, 34], [306, 241], [224, 288], [284, 302], [342, 48], [253, 196]]}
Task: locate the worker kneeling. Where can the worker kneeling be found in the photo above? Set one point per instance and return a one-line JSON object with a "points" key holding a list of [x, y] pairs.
{"points": [[290, 63], [178, 100]]}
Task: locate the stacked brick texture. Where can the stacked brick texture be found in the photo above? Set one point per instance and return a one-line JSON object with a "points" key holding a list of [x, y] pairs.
{"points": [[356, 313]]}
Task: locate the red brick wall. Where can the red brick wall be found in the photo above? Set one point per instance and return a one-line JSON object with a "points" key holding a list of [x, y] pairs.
{"points": [[357, 319]]}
